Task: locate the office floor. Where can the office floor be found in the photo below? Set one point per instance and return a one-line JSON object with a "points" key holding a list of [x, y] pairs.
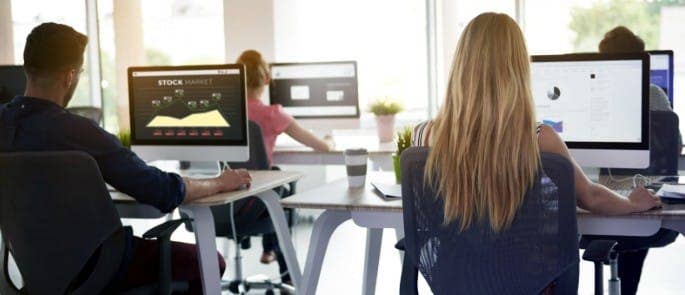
{"points": [[343, 265]]}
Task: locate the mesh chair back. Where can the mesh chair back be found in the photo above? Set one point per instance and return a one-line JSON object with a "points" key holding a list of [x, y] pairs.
{"points": [[92, 113], [258, 158], [55, 214], [664, 146], [539, 247]]}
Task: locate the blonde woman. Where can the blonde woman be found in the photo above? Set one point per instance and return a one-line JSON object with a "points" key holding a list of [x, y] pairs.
{"points": [[485, 141]]}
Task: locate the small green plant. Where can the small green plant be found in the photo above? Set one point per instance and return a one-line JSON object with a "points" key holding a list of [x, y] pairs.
{"points": [[385, 106], [403, 143], [125, 138], [403, 139]]}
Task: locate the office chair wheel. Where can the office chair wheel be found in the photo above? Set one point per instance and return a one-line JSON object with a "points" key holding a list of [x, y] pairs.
{"points": [[269, 292]]}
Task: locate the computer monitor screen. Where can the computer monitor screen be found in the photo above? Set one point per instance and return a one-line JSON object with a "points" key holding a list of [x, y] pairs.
{"points": [[194, 113], [12, 82], [598, 104], [661, 71], [316, 90]]}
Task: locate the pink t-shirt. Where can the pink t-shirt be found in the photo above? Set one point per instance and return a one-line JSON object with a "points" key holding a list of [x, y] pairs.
{"points": [[271, 119]]}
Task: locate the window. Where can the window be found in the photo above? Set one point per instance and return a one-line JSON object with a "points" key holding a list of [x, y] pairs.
{"points": [[452, 18], [579, 25], [153, 32], [28, 14], [387, 38]]}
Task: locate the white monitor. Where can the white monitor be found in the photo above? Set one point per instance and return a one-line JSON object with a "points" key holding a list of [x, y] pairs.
{"points": [[189, 113], [323, 90], [599, 105]]}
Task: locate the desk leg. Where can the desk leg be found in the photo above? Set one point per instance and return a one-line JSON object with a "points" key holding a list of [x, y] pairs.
{"points": [[321, 235], [271, 201], [374, 239], [205, 237]]}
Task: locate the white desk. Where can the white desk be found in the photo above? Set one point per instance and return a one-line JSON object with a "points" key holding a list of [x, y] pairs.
{"points": [[288, 151], [263, 183], [340, 203], [370, 211]]}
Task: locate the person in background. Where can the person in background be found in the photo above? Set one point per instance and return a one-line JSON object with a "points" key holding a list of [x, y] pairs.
{"points": [[273, 121], [633, 250], [37, 121], [485, 142], [622, 40]]}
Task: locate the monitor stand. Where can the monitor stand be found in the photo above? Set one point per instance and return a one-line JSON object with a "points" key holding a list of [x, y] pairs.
{"points": [[199, 169]]}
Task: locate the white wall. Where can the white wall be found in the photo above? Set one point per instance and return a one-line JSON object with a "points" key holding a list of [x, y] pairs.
{"points": [[129, 48], [249, 25]]}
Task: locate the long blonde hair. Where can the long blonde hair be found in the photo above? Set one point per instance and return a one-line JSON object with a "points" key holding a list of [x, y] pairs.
{"points": [[485, 154]]}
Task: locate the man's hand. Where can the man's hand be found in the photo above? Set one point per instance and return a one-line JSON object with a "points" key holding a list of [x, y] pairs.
{"points": [[643, 199], [232, 180]]}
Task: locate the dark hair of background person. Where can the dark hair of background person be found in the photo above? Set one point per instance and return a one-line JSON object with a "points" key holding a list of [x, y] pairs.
{"points": [[621, 40], [52, 48]]}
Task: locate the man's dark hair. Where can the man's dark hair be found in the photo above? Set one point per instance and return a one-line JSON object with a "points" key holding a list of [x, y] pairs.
{"points": [[52, 47], [621, 40]]}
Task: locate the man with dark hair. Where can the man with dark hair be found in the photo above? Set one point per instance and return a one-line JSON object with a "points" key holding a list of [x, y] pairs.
{"points": [[633, 250], [622, 40], [37, 121]]}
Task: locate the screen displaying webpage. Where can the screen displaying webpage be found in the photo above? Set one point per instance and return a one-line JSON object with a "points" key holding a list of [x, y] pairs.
{"points": [[316, 89], [590, 101], [660, 73], [188, 105]]}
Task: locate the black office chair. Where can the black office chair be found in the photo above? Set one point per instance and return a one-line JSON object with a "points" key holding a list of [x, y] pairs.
{"points": [[536, 254], [253, 225], [92, 113], [59, 224]]}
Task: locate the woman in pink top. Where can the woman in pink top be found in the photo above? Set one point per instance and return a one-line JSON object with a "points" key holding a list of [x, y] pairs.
{"points": [[271, 118], [273, 121]]}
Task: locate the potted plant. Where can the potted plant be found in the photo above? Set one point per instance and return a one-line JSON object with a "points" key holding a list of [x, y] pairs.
{"points": [[403, 143], [385, 109], [125, 138]]}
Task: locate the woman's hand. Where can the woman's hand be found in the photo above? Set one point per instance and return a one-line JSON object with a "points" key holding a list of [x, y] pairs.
{"points": [[643, 199]]}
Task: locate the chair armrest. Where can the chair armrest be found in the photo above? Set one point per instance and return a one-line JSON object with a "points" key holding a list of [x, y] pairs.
{"points": [[599, 251], [162, 233], [165, 229], [400, 245], [410, 276]]}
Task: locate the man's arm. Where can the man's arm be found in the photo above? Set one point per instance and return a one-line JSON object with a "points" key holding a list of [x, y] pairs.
{"points": [[229, 180]]}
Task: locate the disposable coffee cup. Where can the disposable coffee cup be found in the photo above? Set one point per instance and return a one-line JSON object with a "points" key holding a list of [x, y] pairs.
{"points": [[355, 161]]}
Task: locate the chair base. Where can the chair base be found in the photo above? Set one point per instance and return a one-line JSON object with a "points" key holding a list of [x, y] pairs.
{"points": [[257, 282]]}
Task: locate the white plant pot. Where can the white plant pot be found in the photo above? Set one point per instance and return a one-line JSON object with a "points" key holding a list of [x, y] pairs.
{"points": [[385, 125]]}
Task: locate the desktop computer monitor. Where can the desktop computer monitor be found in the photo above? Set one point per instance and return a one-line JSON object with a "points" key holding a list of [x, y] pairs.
{"points": [[661, 71], [190, 113], [12, 82], [599, 105], [316, 90]]}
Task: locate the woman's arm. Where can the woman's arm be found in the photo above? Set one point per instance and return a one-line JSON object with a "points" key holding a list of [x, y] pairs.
{"points": [[307, 138], [592, 196]]}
